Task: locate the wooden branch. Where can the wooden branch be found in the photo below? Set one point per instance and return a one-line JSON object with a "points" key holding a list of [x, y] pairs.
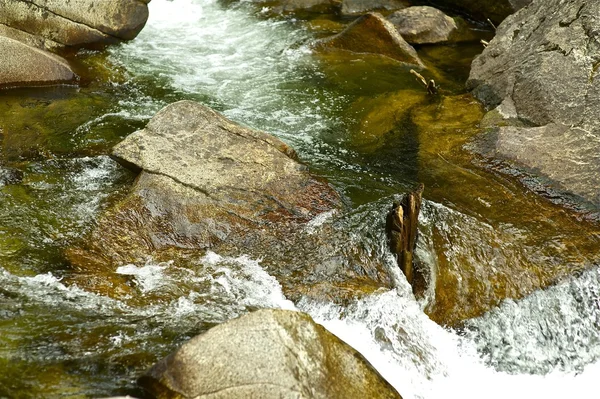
{"points": [[431, 87], [402, 227]]}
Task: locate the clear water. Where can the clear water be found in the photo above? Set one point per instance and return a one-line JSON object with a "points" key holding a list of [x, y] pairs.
{"points": [[262, 73]]}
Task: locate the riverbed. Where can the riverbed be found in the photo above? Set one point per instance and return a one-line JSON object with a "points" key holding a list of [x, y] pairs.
{"points": [[60, 340]]}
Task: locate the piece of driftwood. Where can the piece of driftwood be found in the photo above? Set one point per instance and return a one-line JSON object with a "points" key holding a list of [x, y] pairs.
{"points": [[402, 230], [429, 86]]}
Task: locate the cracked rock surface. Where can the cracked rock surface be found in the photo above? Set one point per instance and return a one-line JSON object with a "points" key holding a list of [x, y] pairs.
{"points": [[540, 75], [267, 354], [76, 22]]}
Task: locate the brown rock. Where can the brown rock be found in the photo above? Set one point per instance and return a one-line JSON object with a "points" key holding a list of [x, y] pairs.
{"points": [[372, 33]]}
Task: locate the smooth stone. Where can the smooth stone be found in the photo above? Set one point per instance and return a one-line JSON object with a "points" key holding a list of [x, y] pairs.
{"points": [[372, 33], [21, 65], [423, 25], [266, 354]]}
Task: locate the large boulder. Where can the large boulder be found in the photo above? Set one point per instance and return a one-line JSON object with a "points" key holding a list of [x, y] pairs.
{"points": [[21, 64], [76, 22], [266, 354], [423, 25], [208, 183], [540, 74], [372, 33], [495, 10]]}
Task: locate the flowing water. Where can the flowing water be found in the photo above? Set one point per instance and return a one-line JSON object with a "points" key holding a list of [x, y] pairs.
{"points": [[482, 231]]}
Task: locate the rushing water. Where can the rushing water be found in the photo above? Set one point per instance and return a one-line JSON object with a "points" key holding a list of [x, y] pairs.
{"points": [[59, 340]]}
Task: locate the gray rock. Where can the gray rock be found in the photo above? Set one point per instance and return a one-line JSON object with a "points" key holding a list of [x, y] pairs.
{"points": [[423, 25], [24, 65], [496, 10], [358, 7], [540, 71], [267, 354], [566, 155], [372, 33], [76, 22]]}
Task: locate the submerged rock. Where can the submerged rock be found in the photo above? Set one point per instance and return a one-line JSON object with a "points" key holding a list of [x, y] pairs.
{"points": [[21, 64], [358, 7], [423, 25], [539, 71], [76, 22], [267, 354], [372, 33], [208, 183]]}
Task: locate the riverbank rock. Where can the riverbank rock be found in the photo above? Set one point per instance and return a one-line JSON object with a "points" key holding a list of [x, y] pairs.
{"points": [[495, 10], [540, 74], [21, 64], [359, 7], [208, 183], [372, 33], [266, 354], [423, 25], [76, 22]]}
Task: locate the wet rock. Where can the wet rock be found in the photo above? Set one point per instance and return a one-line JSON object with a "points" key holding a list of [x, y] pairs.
{"points": [[565, 154], [208, 183], [24, 65], [372, 33], [423, 25], [539, 72], [358, 7], [76, 22], [495, 10], [266, 354]]}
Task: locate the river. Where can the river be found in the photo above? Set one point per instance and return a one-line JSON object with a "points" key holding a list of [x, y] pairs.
{"points": [[59, 340]]}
